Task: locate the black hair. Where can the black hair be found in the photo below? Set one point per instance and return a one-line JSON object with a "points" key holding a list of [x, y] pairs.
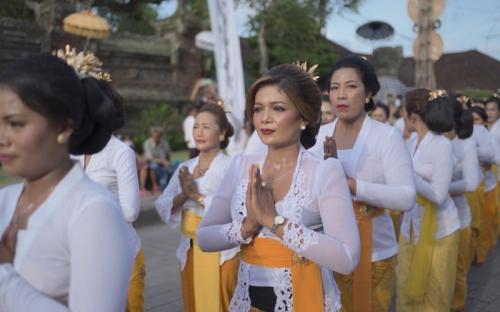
{"points": [[462, 118], [301, 89], [436, 113], [110, 91], [480, 112], [50, 87], [366, 72], [382, 106]]}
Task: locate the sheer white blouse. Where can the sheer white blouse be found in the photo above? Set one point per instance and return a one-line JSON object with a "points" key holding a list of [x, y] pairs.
{"points": [[115, 168], [495, 135], [486, 153], [433, 162], [319, 206], [207, 185], [382, 167], [465, 177], [74, 255]]}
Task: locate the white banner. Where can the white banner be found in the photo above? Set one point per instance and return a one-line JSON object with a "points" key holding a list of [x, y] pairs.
{"points": [[228, 64]]}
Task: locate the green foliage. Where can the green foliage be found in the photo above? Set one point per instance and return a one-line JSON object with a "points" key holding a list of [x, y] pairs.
{"points": [[478, 94], [166, 116], [131, 16], [16, 9], [292, 34]]}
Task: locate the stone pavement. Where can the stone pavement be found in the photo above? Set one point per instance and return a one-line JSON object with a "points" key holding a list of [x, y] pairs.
{"points": [[163, 293]]}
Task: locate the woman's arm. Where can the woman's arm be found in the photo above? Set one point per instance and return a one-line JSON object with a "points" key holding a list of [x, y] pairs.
{"points": [[125, 165]]}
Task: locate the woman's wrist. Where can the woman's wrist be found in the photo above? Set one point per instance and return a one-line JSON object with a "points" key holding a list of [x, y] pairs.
{"points": [[248, 229]]}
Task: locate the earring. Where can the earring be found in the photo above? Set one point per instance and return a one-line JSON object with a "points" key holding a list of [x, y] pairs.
{"points": [[302, 126], [61, 138], [222, 137], [367, 100]]}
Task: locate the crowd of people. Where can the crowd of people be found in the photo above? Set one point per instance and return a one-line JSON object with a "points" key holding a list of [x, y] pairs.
{"points": [[333, 206]]}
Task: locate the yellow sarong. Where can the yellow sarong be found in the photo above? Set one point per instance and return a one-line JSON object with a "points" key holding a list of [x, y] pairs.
{"points": [[422, 259], [463, 267], [205, 271], [307, 287], [135, 301], [487, 232]]}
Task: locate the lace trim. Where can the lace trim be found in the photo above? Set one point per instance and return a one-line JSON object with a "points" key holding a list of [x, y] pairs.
{"points": [[284, 292], [298, 238], [241, 299], [232, 232]]}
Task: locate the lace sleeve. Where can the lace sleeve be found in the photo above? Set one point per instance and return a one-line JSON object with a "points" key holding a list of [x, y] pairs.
{"points": [[299, 238], [232, 232]]}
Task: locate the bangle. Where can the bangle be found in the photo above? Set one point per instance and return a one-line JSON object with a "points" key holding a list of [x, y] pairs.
{"points": [[201, 200]]}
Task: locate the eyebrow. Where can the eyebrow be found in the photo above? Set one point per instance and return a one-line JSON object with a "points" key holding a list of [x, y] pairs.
{"points": [[272, 103], [13, 116], [348, 81]]}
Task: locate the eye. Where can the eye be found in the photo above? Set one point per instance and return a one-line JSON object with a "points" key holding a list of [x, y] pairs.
{"points": [[279, 108], [257, 109], [352, 86], [17, 124], [333, 88]]}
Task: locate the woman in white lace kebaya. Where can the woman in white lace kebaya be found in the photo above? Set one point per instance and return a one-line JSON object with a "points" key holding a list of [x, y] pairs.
{"points": [[208, 279], [289, 210]]}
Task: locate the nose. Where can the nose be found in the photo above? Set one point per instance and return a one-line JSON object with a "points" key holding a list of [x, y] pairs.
{"points": [[3, 136], [342, 94], [266, 116]]}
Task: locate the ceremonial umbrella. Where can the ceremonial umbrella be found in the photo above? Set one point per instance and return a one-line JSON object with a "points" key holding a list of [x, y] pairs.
{"points": [[86, 24], [375, 30]]}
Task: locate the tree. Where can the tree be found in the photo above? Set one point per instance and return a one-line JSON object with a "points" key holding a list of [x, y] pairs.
{"points": [[287, 28]]}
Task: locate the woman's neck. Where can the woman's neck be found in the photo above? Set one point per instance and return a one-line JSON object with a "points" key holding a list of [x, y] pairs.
{"points": [[40, 184], [421, 130], [206, 157], [350, 126], [490, 124], [283, 154]]}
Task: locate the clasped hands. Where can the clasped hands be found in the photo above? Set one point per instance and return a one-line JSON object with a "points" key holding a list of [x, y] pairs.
{"points": [[330, 151], [7, 247], [188, 184], [259, 201]]}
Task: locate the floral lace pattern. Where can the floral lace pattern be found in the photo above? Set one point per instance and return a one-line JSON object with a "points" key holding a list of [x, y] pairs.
{"points": [[284, 291], [232, 231], [241, 298]]}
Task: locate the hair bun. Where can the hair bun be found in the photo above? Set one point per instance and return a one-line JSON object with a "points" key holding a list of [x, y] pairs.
{"points": [[96, 126]]}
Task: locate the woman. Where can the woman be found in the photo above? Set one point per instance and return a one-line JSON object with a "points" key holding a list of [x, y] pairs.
{"points": [[65, 246], [380, 112], [115, 168], [289, 210], [186, 200], [427, 260], [380, 176], [493, 111], [486, 235], [465, 179]]}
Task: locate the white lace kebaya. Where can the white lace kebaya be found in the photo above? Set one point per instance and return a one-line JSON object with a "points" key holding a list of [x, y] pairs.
{"points": [[321, 227]]}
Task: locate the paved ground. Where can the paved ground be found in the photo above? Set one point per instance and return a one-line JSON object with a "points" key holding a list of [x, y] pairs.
{"points": [[163, 294]]}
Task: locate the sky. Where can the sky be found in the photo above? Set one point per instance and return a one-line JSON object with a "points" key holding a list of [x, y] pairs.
{"points": [[465, 25]]}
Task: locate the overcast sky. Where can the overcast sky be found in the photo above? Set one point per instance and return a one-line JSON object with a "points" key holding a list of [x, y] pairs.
{"points": [[466, 25]]}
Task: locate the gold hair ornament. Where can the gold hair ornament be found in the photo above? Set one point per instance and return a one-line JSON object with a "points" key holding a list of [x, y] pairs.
{"points": [[434, 94], [311, 71], [220, 103], [463, 99], [85, 64]]}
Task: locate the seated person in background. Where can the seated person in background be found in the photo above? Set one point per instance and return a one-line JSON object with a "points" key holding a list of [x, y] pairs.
{"points": [[157, 160]]}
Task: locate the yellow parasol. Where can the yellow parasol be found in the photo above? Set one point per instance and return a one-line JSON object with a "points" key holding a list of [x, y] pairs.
{"points": [[86, 24]]}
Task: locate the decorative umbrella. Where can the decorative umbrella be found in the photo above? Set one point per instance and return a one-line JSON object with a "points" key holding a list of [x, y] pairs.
{"points": [[375, 30], [86, 24]]}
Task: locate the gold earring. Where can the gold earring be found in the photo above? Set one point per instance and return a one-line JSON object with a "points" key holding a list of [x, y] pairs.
{"points": [[302, 127], [61, 138], [222, 137]]}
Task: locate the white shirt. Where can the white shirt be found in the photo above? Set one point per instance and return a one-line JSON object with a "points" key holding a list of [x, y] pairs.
{"points": [[382, 167], [317, 202], [495, 135], [486, 153], [207, 185], [255, 145], [115, 168], [433, 162], [465, 177], [74, 255], [187, 126]]}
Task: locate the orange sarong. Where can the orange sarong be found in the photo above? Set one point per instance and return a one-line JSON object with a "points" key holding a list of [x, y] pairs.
{"points": [[307, 287], [362, 279]]}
